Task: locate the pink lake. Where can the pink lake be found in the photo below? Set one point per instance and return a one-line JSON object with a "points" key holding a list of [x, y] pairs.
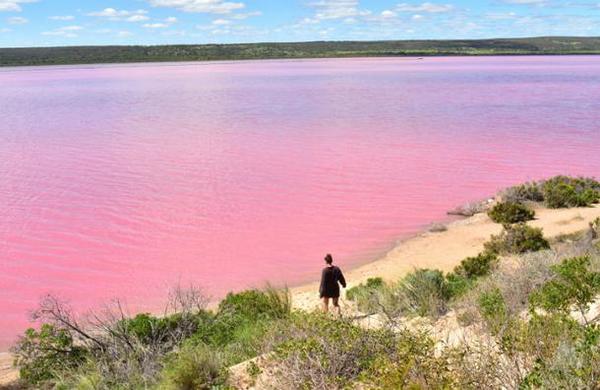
{"points": [[123, 180]]}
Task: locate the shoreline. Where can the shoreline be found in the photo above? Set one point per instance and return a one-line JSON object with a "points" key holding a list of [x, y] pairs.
{"points": [[443, 250]]}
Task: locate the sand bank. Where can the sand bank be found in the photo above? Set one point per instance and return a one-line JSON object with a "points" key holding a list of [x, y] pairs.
{"points": [[445, 250]]}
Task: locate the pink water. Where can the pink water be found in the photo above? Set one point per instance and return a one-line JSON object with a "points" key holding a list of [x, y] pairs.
{"points": [[120, 181]]}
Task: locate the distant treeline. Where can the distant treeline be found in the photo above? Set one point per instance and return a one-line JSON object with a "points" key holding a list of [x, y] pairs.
{"points": [[120, 54]]}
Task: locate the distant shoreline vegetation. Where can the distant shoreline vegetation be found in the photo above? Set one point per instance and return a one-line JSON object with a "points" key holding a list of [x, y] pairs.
{"points": [[72, 55]]}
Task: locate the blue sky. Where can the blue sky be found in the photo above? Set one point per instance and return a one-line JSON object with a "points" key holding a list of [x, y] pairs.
{"points": [[102, 22]]}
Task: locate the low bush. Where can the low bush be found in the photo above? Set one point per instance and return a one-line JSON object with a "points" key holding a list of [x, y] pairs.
{"points": [[242, 313], [458, 284], [527, 192], [510, 212], [193, 367], [316, 352], [480, 265], [493, 309], [516, 239], [256, 304], [367, 295], [424, 292], [46, 354], [564, 191], [369, 287], [573, 285]]}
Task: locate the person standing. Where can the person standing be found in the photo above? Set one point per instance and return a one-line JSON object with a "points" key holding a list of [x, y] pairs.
{"points": [[331, 278]]}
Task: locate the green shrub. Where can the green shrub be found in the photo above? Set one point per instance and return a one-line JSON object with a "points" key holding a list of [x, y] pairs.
{"points": [[425, 292], [510, 212], [414, 364], [564, 191], [240, 313], [531, 192], [256, 304], [458, 284], [493, 309], [371, 285], [573, 285], [193, 367], [480, 265], [518, 238], [316, 351], [367, 295], [45, 354]]}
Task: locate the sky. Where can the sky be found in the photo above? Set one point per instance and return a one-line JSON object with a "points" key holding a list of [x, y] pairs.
{"points": [[146, 22]]}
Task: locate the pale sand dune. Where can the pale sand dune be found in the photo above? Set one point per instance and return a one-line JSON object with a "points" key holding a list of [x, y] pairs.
{"points": [[445, 250], [442, 250]]}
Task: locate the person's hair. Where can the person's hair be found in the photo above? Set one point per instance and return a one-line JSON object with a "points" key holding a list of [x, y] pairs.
{"points": [[328, 259]]}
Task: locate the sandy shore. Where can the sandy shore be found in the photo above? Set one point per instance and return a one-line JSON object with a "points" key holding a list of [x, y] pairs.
{"points": [[442, 250], [7, 373], [446, 249]]}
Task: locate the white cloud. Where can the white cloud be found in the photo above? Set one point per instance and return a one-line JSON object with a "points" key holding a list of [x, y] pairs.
{"points": [[221, 22], [124, 34], [121, 15], [526, 2], [66, 31], [155, 25], [4, 30], [13, 5], [417, 17], [245, 15], [425, 7], [337, 9], [202, 6], [171, 20], [17, 20], [388, 14], [61, 17]]}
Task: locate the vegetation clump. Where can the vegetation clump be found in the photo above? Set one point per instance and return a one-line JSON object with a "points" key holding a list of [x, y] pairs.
{"points": [[564, 192], [557, 192], [516, 239], [510, 212]]}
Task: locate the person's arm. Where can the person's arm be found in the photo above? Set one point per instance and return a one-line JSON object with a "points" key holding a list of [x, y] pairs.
{"points": [[322, 286], [341, 278]]}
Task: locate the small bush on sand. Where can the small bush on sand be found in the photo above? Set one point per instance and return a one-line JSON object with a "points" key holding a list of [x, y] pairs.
{"points": [[256, 304], [574, 285], [193, 367], [564, 191], [317, 352], [46, 354], [493, 309], [480, 265], [314, 351], [515, 239], [424, 292], [243, 313], [510, 212], [413, 364], [370, 286], [366, 295], [527, 192]]}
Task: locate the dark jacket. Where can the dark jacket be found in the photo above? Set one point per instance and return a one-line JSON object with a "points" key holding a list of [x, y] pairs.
{"points": [[329, 282]]}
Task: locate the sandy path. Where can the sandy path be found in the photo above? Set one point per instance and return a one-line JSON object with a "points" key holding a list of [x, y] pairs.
{"points": [[446, 249]]}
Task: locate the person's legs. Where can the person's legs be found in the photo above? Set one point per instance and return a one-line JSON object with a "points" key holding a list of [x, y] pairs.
{"points": [[336, 305], [325, 304]]}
